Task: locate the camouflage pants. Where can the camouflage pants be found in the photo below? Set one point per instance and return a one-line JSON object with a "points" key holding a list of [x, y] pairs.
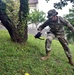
{"points": [[61, 39]]}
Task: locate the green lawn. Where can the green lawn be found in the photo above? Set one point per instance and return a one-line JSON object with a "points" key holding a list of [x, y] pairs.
{"points": [[16, 59]]}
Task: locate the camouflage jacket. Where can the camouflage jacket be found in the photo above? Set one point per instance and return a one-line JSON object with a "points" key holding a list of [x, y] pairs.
{"points": [[56, 27]]}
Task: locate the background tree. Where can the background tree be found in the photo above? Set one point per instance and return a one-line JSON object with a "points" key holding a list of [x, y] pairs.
{"points": [[12, 9], [36, 17], [62, 3], [17, 30], [70, 18]]}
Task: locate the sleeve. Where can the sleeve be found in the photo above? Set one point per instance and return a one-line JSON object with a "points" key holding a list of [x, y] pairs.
{"points": [[41, 27], [68, 24]]}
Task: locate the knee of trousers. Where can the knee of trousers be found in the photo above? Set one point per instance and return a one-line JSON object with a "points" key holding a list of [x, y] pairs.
{"points": [[49, 38]]}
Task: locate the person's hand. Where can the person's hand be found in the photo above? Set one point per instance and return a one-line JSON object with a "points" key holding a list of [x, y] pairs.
{"points": [[38, 35]]}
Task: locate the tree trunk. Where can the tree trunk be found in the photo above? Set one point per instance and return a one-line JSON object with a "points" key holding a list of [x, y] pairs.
{"points": [[17, 33]]}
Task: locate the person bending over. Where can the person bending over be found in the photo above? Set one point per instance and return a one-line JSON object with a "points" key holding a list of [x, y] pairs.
{"points": [[56, 24]]}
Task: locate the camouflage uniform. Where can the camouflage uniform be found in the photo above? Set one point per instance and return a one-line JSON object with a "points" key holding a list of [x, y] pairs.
{"points": [[57, 30]]}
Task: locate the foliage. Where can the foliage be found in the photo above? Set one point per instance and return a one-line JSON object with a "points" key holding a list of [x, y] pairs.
{"points": [[36, 17], [47, 1], [70, 18], [62, 3], [16, 59], [12, 9]]}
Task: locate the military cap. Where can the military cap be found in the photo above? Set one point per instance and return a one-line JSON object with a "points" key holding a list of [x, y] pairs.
{"points": [[51, 13]]}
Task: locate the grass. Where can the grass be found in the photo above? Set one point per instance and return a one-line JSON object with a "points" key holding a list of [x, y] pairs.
{"points": [[16, 59]]}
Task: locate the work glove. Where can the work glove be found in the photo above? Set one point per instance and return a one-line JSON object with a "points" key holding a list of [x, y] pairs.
{"points": [[38, 35]]}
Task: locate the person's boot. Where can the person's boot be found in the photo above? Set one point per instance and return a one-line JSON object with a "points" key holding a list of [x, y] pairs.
{"points": [[47, 55]]}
